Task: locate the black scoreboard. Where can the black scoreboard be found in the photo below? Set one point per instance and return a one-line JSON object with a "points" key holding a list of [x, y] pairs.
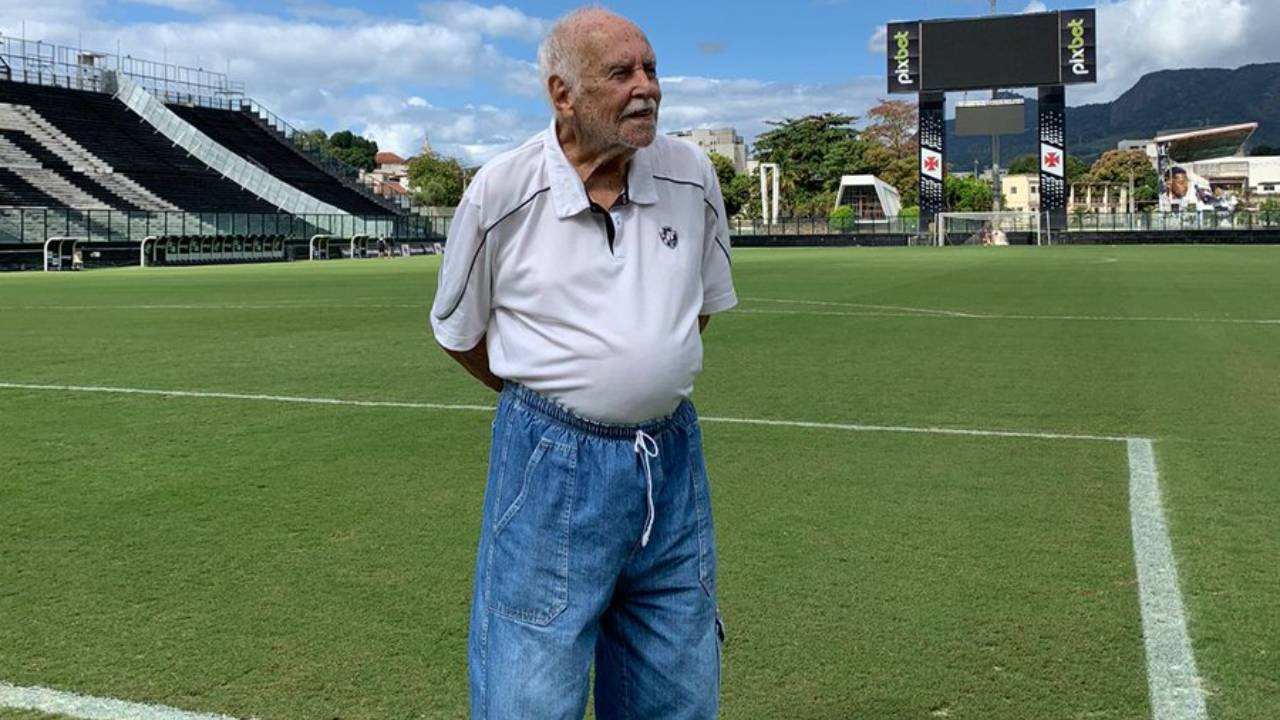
{"points": [[1006, 51]]}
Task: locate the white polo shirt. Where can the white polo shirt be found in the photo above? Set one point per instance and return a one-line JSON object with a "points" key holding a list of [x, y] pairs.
{"points": [[596, 309]]}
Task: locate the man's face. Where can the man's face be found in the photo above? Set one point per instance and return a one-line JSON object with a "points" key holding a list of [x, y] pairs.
{"points": [[617, 101], [1178, 185]]}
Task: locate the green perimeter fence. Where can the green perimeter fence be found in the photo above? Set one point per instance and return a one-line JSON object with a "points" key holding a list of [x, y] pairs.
{"points": [[25, 226], [29, 226]]}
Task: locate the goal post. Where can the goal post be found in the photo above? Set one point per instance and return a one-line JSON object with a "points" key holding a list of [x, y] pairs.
{"points": [[988, 228]]}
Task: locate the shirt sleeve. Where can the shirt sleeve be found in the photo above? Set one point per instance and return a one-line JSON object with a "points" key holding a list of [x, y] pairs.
{"points": [[717, 277], [464, 292]]}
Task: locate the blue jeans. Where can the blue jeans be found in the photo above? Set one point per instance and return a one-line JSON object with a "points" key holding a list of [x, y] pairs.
{"points": [[565, 574]]}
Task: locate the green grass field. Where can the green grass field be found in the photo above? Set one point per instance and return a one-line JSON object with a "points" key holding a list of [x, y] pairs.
{"points": [[286, 560]]}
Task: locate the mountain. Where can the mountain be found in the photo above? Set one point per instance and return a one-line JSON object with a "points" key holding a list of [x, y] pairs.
{"points": [[1162, 100]]}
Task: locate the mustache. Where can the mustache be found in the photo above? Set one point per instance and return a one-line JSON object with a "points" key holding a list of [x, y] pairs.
{"points": [[640, 105]]}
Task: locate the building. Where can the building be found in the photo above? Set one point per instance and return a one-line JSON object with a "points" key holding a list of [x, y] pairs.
{"points": [[870, 197], [389, 177], [1021, 192], [725, 141]]}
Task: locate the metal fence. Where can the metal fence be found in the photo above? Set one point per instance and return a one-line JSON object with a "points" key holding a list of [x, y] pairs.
{"points": [[825, 226], [37, 225], [1173, 222]]}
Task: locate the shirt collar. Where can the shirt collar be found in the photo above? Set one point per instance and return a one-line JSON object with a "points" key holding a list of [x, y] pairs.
{"points": [[567, 192]]}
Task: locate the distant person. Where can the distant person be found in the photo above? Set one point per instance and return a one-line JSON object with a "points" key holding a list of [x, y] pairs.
{"points": [[579, 273]]}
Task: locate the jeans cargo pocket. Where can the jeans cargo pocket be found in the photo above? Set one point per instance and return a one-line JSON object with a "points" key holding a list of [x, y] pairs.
{"points": [[529, 556]]}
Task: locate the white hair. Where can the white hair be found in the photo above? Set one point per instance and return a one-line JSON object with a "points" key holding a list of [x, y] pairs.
{"points": [[559, 55]]}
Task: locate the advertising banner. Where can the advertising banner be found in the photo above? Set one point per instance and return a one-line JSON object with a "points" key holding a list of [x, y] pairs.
{"points": [[1078, 46], [903, 48]]}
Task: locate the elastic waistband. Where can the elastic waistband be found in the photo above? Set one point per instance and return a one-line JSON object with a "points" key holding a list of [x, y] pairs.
{"points": [[683, 416]]}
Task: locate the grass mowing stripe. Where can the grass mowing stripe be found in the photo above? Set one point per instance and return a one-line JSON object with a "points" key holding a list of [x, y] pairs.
{"points": [[443, 406], [1171, 666], [915, 312], [91, 708]]}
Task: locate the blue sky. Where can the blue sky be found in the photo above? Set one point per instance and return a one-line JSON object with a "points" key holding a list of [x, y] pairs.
{"points": [[461, 72]]}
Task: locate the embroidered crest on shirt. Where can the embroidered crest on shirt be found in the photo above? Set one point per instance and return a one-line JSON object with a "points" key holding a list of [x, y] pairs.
{"points": [[669, 237]]}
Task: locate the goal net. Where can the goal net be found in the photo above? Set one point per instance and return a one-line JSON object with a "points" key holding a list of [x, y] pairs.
{"points": [[987, 228]]}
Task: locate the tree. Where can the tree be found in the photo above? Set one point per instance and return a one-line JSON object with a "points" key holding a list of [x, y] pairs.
{"points": [[736, 191], [1077, 169], [737, 195], [352, 149], [1270, 209], [313, 140], [1026, 165], [841, 219], [891, 152], [725, 171], [436, 180], [966, 194], [893, 124], [812, 152], [1116, 166]]}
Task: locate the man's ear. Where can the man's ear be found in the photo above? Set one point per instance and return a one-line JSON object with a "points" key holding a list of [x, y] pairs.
{"points": [[558, 91]]}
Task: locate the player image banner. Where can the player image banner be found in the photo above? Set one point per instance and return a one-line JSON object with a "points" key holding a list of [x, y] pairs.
{"points": [[903, 45], [1078, 46]]}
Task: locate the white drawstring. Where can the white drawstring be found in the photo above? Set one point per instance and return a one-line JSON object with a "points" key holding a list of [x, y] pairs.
{"points": [[643, 442]]}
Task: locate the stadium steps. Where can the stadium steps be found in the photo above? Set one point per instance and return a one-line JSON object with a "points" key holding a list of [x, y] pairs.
{"points": [[50, 181], [28, 122], [246, 135], [89, 183], [109, 132], [17, 192]]}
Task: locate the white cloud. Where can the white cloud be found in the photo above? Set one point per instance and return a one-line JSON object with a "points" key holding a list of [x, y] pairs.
{"points": [[1035, 6], [746, 104], [496, 21], [1139, 36], [878, 40], [196, 7], [341, 67]]}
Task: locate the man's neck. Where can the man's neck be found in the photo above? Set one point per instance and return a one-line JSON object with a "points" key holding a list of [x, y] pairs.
{"points": [[599, 168]]}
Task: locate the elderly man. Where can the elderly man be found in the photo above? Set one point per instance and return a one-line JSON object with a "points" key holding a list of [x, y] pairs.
{"points": [[579, 273]]}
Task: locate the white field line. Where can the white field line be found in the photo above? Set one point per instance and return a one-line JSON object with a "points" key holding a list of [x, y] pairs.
{"points": [[88, 707], [222, 306], [931, 313], [245, 396], [1171, 667], [848, 427]]}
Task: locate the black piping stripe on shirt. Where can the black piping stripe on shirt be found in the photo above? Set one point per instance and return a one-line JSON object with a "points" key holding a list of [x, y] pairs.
{"points": [[690, 183], [480, 248]]}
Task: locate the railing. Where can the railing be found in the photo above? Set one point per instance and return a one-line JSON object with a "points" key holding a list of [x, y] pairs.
{"points": [[37, 225], [41, 63], [1173, 222], [349, 175], [825, 226], [49, 65], [226, 162]]}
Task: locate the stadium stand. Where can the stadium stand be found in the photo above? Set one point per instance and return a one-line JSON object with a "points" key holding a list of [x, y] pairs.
{"points": [[17, 192], [245, 134], [107, 132], [120, 160]]}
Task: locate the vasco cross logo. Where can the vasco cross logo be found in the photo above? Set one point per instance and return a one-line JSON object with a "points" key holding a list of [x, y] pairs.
{"points": [[669, 237]]}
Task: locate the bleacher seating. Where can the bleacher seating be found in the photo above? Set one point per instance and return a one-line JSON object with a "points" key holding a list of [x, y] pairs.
{"points": [[243, 134], [18, 193], [48, 160], [109, 130]]}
